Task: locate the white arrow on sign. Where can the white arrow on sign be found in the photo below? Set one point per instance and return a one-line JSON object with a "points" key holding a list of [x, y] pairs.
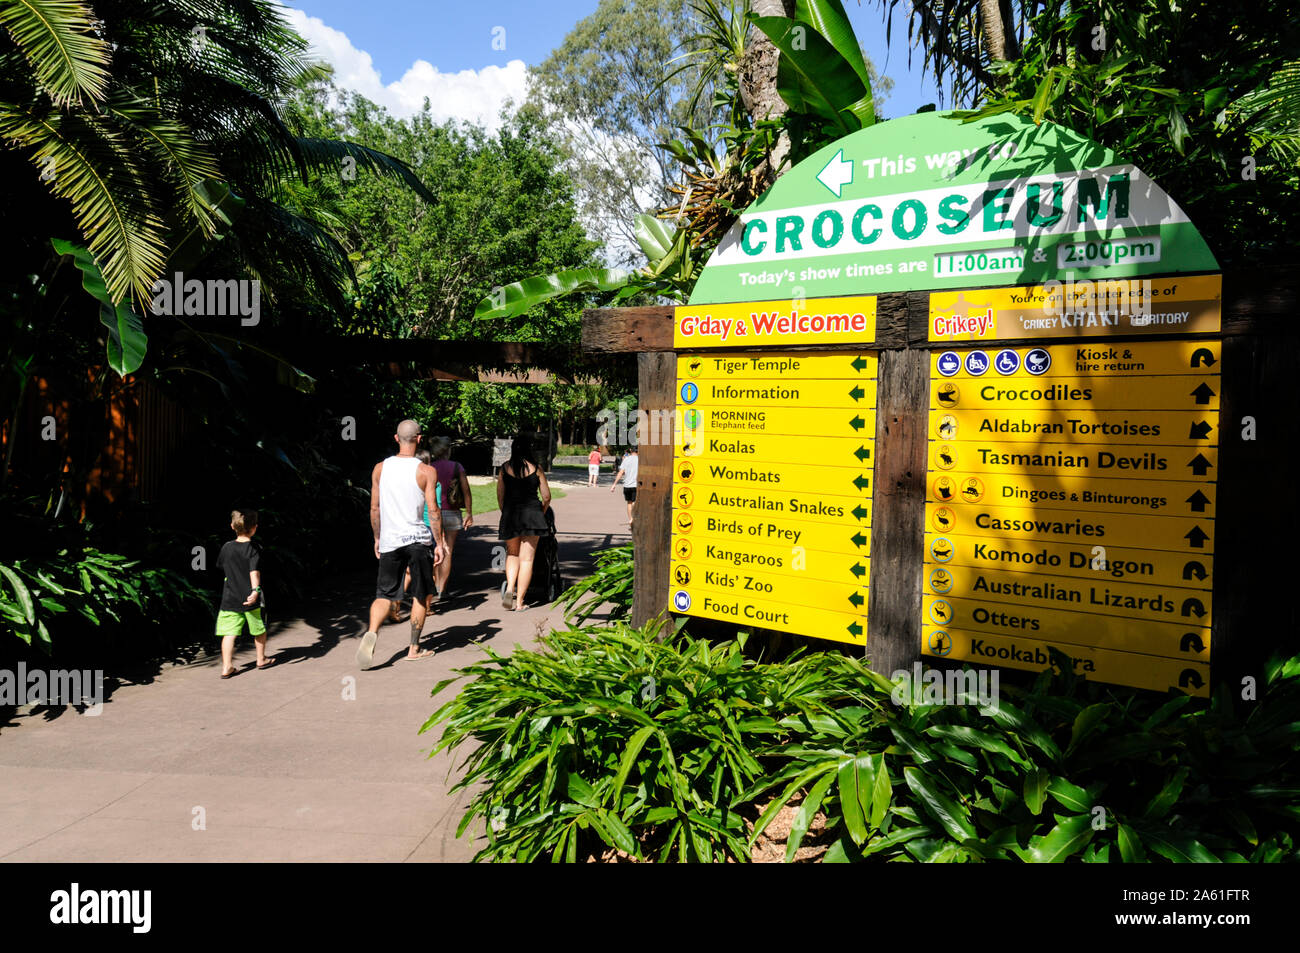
{"points": [[837, 174]]}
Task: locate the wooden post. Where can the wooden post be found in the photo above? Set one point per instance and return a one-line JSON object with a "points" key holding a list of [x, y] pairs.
{"points": [[898, 511], [652, 523]]}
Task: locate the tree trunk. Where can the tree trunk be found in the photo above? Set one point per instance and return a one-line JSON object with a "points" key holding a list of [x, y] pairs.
{"points": [[758, 81], [996, 25]]}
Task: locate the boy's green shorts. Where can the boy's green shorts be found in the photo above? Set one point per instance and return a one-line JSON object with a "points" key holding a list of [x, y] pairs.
{"points": [[232, 623]]}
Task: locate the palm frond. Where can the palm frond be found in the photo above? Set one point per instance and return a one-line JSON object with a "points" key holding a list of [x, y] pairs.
{"points": [[330, 153], [184, 162], [92, 166], [57, 38]]}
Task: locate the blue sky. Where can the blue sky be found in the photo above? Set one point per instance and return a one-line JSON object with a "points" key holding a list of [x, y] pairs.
{"points": [[454, 42]]}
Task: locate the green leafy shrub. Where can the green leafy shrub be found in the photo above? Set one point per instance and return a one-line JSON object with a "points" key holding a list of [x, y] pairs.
{"points": [[610, 582], [1071, 770], [94, 585], [607, 738]]}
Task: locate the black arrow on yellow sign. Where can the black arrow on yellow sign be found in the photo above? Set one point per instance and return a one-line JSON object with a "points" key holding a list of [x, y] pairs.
{"points": [[861, 482], [1196, 537], [1198, 501], [1202, 354], [1193, 568], [856, 599], [1200, 431], [860, 513], [1190, 677], [857, 423], [857, 393], [862, 453], [1202, 393], [1191, 643], [858, 540], [1193, 606], [859, 364], [858, 570], [1199, 464], [855, 629]]}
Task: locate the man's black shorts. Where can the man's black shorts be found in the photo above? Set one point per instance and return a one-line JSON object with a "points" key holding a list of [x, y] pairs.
{"points": [[629, 494], [392, 567]]}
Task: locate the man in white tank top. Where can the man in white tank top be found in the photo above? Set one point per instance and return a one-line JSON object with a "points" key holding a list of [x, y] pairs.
{"points": [[401, 488]]}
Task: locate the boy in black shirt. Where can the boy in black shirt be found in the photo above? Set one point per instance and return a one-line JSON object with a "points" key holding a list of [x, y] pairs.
{"points": [[240, 559]]}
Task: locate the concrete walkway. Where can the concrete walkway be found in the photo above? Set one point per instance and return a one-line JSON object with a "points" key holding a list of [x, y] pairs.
{"points": [[309, 760]]}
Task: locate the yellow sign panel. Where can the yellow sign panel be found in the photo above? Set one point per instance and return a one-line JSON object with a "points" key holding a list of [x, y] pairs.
{"points": [[1129, 359], [771, 365], [1099, 596], [788, 392], [845, 566], [1074, 493], [1189, 675], [1091, 561], [826, 452], [816, 621], [1190, 536], [792, 587], [775, 477], [1072, 309], [715, 422], [1170, 639], [1169, 392], [807, 507], [779, 322], [1108, 427], [747, 530], [1140, 462]]}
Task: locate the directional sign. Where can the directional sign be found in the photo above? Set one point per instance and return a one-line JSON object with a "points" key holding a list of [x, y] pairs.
{"points": [[1192, 535], [1190, 675], [746, 530], [798, 561], [1141, 462], [793, 588], [1078, 427], [1030, 623], [815, 621], [1167, 392], [852, 452], [840, 481], [1098, 594], [775, 365], [787, 392], [1129, 359], [804, 507], [740, 420], [1090, 561], [772, 484]]}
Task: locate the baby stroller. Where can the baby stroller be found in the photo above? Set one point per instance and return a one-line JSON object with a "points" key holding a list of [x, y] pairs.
{"points": [[547, 581]]}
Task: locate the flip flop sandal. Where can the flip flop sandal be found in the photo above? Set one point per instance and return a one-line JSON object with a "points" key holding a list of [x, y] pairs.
{"points": [[268, 663], [507, 597], [366, 651], [230, 673]]}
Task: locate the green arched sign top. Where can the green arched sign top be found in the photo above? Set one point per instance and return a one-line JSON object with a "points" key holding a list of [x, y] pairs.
{"points": [[927, 202]]}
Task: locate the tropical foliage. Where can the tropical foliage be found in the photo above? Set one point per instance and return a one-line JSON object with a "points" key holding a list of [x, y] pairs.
{"points": [[608, 740], [608, 584]]}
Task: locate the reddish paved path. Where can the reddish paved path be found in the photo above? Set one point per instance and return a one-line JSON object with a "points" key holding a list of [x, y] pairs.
{"points": [[280, 764]]}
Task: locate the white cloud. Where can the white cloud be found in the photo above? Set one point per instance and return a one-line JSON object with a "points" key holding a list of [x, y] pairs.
{"points": [[474, 95]]}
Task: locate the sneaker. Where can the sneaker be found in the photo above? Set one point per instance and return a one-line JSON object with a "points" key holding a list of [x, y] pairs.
{"points": [[366, 651]]}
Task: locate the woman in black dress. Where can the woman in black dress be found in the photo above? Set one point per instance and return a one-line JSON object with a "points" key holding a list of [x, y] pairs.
{"points": [[523, 517]]}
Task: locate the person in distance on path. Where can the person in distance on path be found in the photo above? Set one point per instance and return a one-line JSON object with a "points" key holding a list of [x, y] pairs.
{"points": [[627, 472], [402, 490], [523, 495], [593, 467], [240, 560]]}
